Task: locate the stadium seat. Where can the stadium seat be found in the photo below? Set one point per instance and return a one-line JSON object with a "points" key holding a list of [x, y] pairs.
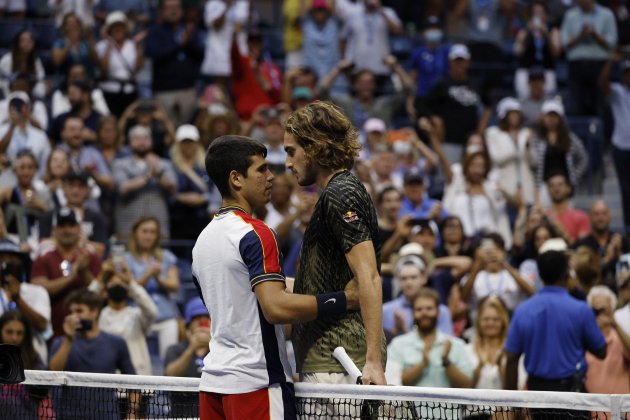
{"points": [[45, 34], [9, 29]]}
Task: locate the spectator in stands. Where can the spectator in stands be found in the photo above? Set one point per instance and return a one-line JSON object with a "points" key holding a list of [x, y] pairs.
{"points": [[20, 134], [176, 51], [143, 181], [429, 62], [486, 349], [622, 314], [537, 45], [81, 8], [425, 355], [256, 80], [23, 59], [294, 80], [321, 42], [57, 167], [388, 202], [455, 105], [155, 269], [415, 201], [492, 274], [606, 243], [558, 149], [68, 267], [137, 11], [15, 9], [25, 202], [610, 375], [120, 58], [367, 26], [60, 103], [75, 46], [120, 318], [587, 272], [20, 83], [150, 114], [80, 97], [411, 273], [528, 267], [589, 35], [280, 205], [220, 17], [512, 152], [76, 191], [453, 239], [533, 100], [574, 222], [618, 95], [84, 347], [365, 103], [196, 197], [18, 293], [293, 12], [273, 135], [550, 317], [186, 357], [215, 120], [15, 330]]}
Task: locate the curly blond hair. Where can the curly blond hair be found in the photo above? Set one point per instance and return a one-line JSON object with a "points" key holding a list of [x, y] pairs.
{"points": [[326, 134]]}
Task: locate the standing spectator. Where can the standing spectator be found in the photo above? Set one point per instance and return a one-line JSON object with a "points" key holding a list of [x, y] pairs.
{"points": [[534, 98], [23, 59], [75, 46], [558, 149], [589, 35], [154, 268], [60, 103], [120, 59], [574, 222], [537, 45], [143, 181], [81, 8], [137, 11], [119, 318], [367, 26], [618, 95], [81, 106], [151, 115], [426, 356], [429, 62], [610, 375], [68, 267], [174, 46], [293, 12], [56, 169], [20, 85], [550, 317]]}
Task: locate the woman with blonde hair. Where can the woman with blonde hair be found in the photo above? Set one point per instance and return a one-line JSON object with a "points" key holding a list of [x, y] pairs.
{"points": [[155, 269]]}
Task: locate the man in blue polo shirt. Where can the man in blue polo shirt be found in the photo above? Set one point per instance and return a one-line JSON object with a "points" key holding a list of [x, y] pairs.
{"points": [[415, 200], [553, 330]]}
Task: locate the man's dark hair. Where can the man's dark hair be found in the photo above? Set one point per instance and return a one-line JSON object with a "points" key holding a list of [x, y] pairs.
{"points": [[231, 153], [84, 297], [552, 267], [381, 195]]}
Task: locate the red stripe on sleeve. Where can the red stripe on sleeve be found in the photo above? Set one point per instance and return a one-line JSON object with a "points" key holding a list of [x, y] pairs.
{"points": [[271, 252]]}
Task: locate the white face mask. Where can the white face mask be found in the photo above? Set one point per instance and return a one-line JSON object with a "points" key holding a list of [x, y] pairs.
{"points": [[402, 147], [433, 35]]}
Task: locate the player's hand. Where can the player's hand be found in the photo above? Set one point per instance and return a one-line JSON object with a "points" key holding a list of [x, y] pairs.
{"points": [[373, 374], [352, 295]]}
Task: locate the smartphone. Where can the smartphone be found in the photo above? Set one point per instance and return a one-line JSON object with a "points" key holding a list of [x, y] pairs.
{"points": [[118, 256], [419, 222], [86, 325]]}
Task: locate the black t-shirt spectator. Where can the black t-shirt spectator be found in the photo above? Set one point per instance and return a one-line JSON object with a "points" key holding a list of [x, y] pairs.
{"points": [[93, 223]]}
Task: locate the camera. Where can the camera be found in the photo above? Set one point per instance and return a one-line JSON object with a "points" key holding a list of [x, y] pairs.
{"points": [[10, 269], [86, 325], [11, 365]]}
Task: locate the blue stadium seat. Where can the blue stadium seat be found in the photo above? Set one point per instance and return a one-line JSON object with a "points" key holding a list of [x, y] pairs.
{"points": [[45, 34], [9, 29], [401, 47]]}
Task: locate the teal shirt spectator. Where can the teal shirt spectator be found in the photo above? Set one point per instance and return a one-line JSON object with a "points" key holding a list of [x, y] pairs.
{"points": [[601, 20]]}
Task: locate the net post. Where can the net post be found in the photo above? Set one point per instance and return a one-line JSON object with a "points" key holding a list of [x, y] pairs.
{"points": [[615, 407]]}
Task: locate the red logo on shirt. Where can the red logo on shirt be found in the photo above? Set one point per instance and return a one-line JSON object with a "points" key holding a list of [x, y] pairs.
{"points": [[350, 216]]}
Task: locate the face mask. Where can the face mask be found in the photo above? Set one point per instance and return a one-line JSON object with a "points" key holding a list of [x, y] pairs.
{"points": [[117, 293], [433, 35], [402, 147]]}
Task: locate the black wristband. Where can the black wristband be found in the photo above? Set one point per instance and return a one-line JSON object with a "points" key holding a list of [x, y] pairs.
{"points": [[331, 304]]}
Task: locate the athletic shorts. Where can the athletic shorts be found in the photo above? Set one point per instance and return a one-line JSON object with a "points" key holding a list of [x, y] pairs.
{"points": [[274, 403]]}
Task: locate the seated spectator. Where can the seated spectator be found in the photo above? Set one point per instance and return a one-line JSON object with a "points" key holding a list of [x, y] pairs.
{"points": [[19, 133], [528, 268], [120, 58], [143, 182], [75, 46], [534, 98], [587, 272], [155, 269], [80, 97], [416, 202], [23, 59], [81, 8], [186, 357], [20, 83], [122, 319], [365, 102], [197, 197], [429, 62], [610, 375], [425, 355], [109, 140], [453, 239], [57, 167], [537, 45], [84, 347], [411, 275], [574, 222], [66, 268], [151, 115], [492, 274], [138, 11], [388, 202], [215, 120], [558, 149], [61, 104]]}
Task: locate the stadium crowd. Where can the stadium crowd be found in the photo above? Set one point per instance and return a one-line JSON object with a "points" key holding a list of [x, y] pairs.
{"points": [[470, 115]]}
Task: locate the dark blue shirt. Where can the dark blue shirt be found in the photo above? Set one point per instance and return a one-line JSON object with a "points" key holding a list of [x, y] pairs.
{"points": [[553, 329], [430, 66]]}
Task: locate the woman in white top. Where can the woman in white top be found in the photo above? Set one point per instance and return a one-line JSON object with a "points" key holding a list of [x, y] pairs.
{"points": [[510, 147], [23, 59], [119, 59]]}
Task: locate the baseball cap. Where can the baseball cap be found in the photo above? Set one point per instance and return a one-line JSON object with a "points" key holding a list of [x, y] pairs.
{"points": [[187, 132], [302, 92], [194, 308], [114, 18], [65, 216], [426, 224], [83, 178], [412, 248], [506, 105], [374, 124], [459, 51], [551, 105], [22, 96], [432, 21], [553, 244], [411, 260], [9, 247], [413, 175], [319, 4]]}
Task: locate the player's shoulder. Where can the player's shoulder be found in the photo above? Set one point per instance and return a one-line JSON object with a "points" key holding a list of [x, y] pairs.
{"points": [[345, 186]]}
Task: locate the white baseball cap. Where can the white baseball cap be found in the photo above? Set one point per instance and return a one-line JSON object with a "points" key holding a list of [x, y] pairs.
{"points": [[374, 124], [553, 244], [459, 51], [552, 105], [187, 132], [412, 248], [506, 105]]}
